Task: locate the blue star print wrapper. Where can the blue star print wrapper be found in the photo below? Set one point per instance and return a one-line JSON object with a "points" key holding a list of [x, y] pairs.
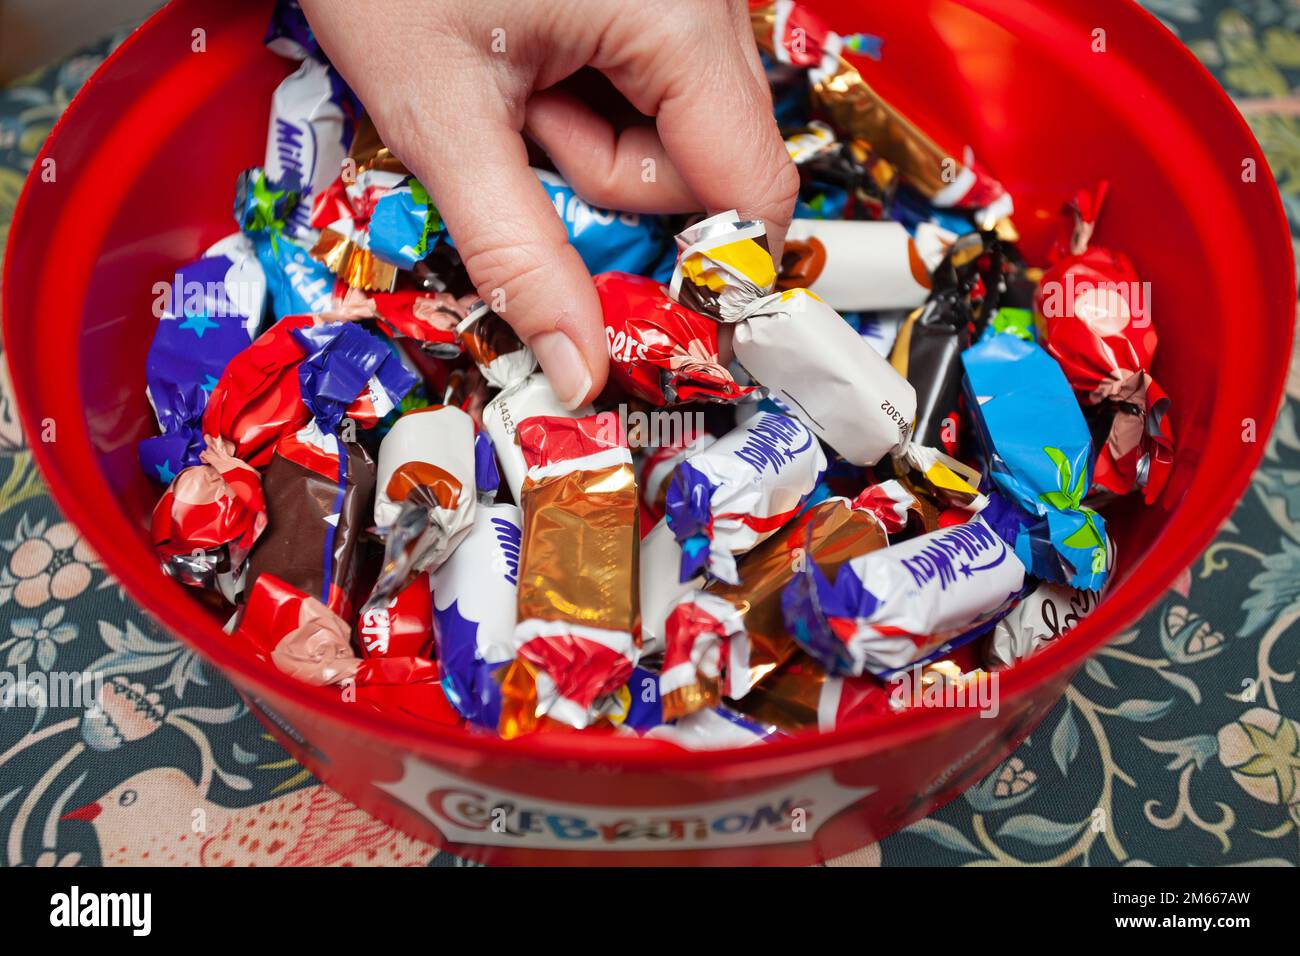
{"points": [[211, 312], [1040, 456]]}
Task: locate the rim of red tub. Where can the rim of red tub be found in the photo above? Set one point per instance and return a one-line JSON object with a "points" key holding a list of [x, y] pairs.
{"points": [[179, 613]]}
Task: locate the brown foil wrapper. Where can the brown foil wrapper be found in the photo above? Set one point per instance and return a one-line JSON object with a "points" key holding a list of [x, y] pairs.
{"points": [[831, 533]]}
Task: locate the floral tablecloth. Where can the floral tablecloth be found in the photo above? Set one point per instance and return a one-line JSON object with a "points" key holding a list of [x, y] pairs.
{"points": [[1178, 744]]}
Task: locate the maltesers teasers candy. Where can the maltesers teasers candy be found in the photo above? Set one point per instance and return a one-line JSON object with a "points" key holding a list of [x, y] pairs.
{"points": [[897, 605], [724, 500], [578, 619], [722, 640], [425, 494], [1040, 453], [1097, 317], [475, 593], [213, 311], [208, 520], [658, 350], [317, 488]]}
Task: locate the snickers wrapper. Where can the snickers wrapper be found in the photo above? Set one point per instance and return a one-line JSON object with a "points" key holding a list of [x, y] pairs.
{"points": [[855, 265], [425, 495], [738, 492], [578, 614], [897, 605], [208, 520], [475, 595], [723, 640], [317, 491], [811, 360]]}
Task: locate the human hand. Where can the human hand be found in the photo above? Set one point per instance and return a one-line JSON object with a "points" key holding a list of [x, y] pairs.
{"points": [[453, 86]]}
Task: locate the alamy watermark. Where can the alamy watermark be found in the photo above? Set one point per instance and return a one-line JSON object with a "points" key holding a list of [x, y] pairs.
{"points": [[20, 687]]}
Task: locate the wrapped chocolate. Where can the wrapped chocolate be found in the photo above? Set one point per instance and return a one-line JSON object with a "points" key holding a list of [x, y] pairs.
{"points": [[401, 628], [660, 563], [810, 359], [509, 365], [848, 180], [578, 619], [427, 318], [1096, 315], [656, 468], [929, 345], [800, 694], [658, 350], [208, 520], [348, 371], [945, 174], [724, 500], [1040, 455], [857, 265], [212, 312], [425, 496], [892, 607], [605, 239], [715, 729], [297, 633], [317, 491], [475, 594], [409, 686], [722, 640]]}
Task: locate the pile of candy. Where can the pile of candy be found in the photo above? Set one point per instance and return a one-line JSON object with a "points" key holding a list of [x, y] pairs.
{"points": [[898, 472]]}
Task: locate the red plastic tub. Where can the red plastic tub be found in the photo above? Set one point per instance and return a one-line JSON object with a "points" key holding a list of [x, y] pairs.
{"points": [[144, 161]]}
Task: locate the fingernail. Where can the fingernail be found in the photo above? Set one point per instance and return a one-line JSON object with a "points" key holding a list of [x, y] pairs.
{"points": [[564, 367]]}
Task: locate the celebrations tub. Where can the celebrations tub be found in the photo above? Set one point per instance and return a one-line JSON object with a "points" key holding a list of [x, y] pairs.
{"points": [[1051, 94]]}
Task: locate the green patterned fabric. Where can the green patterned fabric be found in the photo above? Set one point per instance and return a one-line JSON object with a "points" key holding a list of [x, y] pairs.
{"points": [[1178, 744]]}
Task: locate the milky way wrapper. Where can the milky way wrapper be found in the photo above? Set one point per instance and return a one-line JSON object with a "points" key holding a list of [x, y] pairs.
{"points": [[1040, 456], [729, 497], [855, 265], [578, 615], [722, 640], [475, 595], [658, 350], [802, 350], [208, 520], [426, 493], [888, 609], [946, 174], [1096, 315], [317, 491]]}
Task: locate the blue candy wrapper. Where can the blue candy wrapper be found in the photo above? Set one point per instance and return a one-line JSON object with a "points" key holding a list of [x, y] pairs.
{"points": [[608, 241], [212, 310], [297, 283], [1040, 456], [343, 361]]}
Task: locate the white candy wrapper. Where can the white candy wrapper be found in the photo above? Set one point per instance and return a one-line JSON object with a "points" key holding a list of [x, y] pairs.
{"points": [[426, 493], [801, 349], [856, 265], [713, 730], [738, 492], [660, 566], [890, 608]]}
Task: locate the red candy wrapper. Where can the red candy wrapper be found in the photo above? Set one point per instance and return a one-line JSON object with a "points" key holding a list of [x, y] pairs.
{"points": [[1097, 317], [661, 351], [404, 627], [297, 633], [429, 318], [406, 685], [206, 522]]}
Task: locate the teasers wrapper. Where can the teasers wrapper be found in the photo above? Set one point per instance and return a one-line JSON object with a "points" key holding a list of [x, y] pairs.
{"points": [[475, 594], [207, 521], [810, 359], [892, 607], [858, 265], [658, 350], [297, 633], [800, 694], [724, 500], [213, 313], [317, 491], [425, 495], [722, 641], [794, 35], [1097, 323], [578, 615], [929, 345], [607, 240], [296, 283], [1039, 451], [656, 468], [402, 628], [507, 364]]}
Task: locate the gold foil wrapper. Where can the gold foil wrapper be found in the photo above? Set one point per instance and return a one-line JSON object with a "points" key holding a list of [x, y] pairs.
{"points": [[358, 267], [830, 534]]}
